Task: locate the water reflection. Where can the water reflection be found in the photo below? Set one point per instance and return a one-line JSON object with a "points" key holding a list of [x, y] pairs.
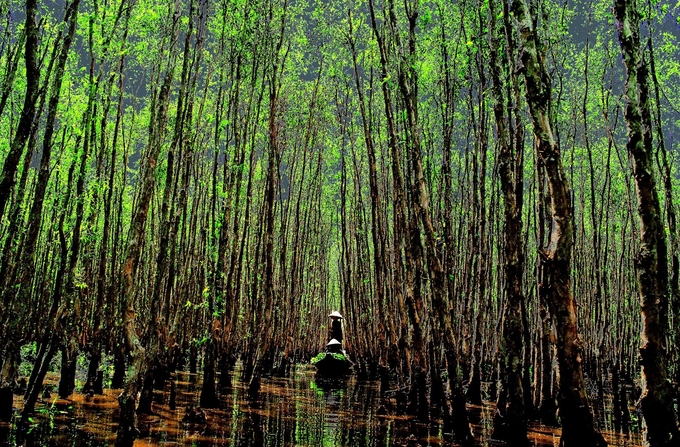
{"points": [[296, 411]]}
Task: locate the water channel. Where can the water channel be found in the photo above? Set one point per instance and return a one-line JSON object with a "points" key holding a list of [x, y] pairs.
{"points": [[296, 411]]}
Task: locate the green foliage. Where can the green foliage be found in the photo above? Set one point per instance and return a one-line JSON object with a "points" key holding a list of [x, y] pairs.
{"points": [[320, 356], [323, 244]]}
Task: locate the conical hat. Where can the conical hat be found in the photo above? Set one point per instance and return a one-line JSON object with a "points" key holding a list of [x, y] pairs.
{"points": [[335, 314], [333, 342]]}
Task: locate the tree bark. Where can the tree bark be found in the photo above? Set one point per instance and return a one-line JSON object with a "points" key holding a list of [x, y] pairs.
{"points": [[578, 427], [377, 226], [402, 239], [408, 85], [127, 428], [9, 168], [510, 422], [49, 341], [670, 208], [651, 262]]}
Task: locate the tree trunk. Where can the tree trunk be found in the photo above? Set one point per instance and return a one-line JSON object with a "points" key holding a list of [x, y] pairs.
{"points": [[67, 379], [408, 84], [209, 397], [377, 226], [6, 400], [402, 239], [49, 339], [577, 420], [651, 262], [27, 265], [510, 422], [9, 168], [118, 378], [670, 208], [547, 409], [127, 428]]}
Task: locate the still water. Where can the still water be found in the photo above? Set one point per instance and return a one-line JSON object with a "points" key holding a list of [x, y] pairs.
{"points": [[295, 411]]}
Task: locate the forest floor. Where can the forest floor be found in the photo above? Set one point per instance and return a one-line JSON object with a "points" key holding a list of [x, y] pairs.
{"points": [[298, 410]]}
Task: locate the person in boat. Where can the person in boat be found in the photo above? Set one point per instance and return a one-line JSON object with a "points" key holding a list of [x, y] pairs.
{"points": [[334, 347], [336, 327]]}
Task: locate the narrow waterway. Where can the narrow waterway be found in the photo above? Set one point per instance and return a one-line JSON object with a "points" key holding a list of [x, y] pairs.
{"points": [[295, 411]]}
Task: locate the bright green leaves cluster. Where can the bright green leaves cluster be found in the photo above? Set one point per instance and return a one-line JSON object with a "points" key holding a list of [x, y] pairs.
{"points": [[322, 355]]}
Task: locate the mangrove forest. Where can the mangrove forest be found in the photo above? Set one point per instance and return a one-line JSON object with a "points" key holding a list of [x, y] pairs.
{"points": [[340, 223]]}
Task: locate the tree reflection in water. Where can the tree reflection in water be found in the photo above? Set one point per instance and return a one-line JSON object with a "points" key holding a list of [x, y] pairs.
{"points": [[296, 411]]}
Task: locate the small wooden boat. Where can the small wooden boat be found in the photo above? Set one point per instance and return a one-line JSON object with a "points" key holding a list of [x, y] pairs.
{"points": [[331, 364]]}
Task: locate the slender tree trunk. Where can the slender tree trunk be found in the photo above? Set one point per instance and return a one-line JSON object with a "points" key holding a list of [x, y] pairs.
{"points": [[209, 397], [35, 216], [9, 168], [377, 226], [13, 56], [670, 208], [69, 344], [127, 428], [651, 261], [402, 240], [510, 423], [67, 378], [480, 231], [103, 285], [577, 420], [49, 339], [10, 265], [408, 84]]}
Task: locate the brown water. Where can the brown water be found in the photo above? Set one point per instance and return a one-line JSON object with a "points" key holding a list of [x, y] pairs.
{"points": [[294, 411]]}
